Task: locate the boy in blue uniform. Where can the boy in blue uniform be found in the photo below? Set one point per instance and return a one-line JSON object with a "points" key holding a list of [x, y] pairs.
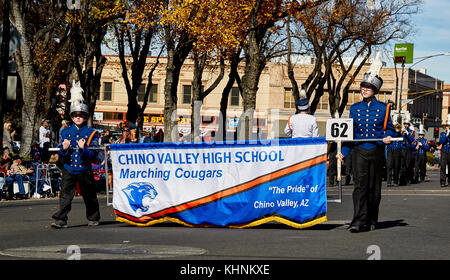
{"points": [[393, 159], [77, 159], [408, 154], [371, 120], [444, 142], [422, 146]]}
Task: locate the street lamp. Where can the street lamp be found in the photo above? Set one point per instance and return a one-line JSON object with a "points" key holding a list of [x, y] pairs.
{"points": [[429, 56], [402, 60]]}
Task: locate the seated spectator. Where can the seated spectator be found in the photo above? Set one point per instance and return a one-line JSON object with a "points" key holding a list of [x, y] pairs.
{"points": [[147, 138], [6, 159], [35, 162], [16, 174], [106, 137]]}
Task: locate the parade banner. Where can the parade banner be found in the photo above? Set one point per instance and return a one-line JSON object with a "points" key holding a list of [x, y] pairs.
{"points": [[237, 184]]}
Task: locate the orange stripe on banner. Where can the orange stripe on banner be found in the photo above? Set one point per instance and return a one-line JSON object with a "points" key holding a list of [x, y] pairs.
{"points": [[231, 191]]}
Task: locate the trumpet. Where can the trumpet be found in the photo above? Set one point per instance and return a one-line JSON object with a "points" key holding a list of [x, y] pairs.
{"points": [[398, 127]]}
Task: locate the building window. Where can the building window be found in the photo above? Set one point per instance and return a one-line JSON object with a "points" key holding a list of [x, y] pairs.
{"points": [[234, 96], [153, 98], [289, 101], [113, 116], [187, 94], [141, 93], [107, 91]]}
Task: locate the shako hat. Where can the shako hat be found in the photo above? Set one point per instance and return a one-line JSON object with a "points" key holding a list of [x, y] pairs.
{"points": [[77, 103], [371, 78], [303, 101]]}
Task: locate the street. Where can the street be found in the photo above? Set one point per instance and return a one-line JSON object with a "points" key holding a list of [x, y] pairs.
{"points": [[413, 225]]}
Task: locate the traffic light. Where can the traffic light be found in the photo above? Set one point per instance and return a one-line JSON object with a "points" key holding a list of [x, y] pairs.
{"points": [[436, 132], [400, 59]]}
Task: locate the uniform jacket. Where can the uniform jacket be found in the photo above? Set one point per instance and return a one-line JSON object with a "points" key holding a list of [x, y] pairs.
{"points": [[423, 147], [302, 125], [395, 145], [370, 121], [444, 141], [76, 160], [408, 139]]}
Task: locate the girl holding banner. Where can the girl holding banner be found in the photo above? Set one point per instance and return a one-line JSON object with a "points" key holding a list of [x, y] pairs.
{"points": [[371, 120]]}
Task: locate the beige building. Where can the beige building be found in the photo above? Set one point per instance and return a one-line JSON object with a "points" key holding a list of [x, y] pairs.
{"points": [[274, 103]]}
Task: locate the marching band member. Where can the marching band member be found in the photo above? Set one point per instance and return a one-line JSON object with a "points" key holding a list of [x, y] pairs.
{"points": [[393, 158], [371, 120], [77, 161], [302, 124], [407, 161], [445, 153], [422, 146]]}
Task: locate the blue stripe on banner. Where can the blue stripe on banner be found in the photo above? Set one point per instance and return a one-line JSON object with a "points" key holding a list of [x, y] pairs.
{"points": [[220, 144], [299, 197]]}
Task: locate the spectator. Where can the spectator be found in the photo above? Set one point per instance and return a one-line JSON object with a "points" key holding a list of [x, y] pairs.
{"points": [[44, 133], [39, 182], [146, 138], [6, 160], [16, 174], [64, 124], [44, 140], [106, 137], [8, 135]]}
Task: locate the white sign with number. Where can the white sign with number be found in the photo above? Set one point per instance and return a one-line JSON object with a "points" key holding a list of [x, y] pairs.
{"points": [[339, 129]]}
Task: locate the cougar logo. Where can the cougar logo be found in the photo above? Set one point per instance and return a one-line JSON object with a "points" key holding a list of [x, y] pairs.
{"points": [[140, 195]]}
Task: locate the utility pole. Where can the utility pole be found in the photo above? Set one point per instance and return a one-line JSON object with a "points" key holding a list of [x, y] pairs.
{"points": [[4, 57]]}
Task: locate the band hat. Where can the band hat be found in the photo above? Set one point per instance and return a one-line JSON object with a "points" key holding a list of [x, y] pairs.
{"points": [[371, 78], [303, 101], [77, 103], [303, 104], [371, 81]]}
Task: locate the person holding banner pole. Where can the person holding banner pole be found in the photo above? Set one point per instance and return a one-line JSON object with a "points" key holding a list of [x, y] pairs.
{"points": [[371, 120], [77, 160], [302, 124]]}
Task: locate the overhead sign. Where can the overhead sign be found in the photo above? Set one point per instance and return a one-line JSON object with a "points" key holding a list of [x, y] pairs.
{"points": [[229, 184], [403, 53], [339, 130]]}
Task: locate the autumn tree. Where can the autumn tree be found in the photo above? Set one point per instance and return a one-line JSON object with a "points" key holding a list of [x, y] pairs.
{"points": [[134, 35], [41, 60], [88, 27], [264, 19], [343, 29]]}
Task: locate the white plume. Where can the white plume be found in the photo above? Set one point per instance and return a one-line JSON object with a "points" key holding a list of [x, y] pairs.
{"points": [[376, 65], [303, 94], [76, 94]]}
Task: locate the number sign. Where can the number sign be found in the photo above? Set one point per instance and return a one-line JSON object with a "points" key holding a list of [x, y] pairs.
{"points": [[339, 129]]}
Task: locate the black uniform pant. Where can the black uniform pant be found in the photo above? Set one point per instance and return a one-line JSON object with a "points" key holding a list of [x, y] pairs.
{"points": [[393, 162], [407, 166], [420, 167], [444, 163], [367, 179], [85, 181]]}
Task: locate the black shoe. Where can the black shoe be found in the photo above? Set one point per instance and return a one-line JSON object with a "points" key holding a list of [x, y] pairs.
{"points": [[59, 224], [354, 229]]}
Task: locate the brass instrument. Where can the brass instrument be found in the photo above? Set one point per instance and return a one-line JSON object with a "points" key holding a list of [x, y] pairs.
{"points": [[398, 127]]}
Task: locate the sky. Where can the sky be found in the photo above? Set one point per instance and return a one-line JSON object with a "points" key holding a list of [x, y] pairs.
{"points": [[433, 37]]}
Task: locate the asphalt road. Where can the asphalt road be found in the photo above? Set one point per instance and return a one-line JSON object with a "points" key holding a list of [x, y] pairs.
{"points": [[413, 225]]}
